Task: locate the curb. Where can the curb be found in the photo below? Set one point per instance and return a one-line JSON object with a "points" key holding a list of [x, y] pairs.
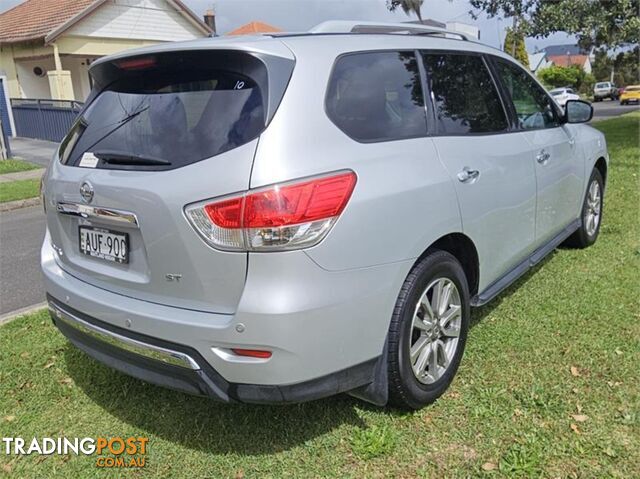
{"points": [[14, 205], [10, 316]]}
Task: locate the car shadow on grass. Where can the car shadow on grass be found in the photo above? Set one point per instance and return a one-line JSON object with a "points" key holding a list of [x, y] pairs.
{"points": [[200, 423], [204, 424]]}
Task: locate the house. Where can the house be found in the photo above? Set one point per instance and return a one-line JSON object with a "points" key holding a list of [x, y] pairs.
{"points": [[46, 46], [253, 28], [538, 61], [568, 55]]}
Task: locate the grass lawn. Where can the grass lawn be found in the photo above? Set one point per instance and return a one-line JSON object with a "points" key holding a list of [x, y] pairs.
{"points": [[548, 386], [13, 164], [19, 190]]}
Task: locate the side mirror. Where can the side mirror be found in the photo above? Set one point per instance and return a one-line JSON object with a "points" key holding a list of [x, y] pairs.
{"points": [[577, 111]]}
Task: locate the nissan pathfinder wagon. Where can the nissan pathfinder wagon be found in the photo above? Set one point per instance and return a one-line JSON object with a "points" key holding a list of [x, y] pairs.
{"points": [[285, 217]]}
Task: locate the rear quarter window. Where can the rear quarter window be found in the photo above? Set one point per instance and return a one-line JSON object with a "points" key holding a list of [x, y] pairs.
{"points": [[377, 96]]}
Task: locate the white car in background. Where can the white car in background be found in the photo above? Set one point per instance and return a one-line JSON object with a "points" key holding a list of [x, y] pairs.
{"points": [[563, 95]]}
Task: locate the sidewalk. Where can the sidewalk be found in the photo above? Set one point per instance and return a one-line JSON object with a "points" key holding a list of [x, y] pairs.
{"points": [[39, 152], [22, 175]]}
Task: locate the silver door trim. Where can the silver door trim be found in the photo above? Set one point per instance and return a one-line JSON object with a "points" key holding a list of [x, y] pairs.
{"points": [[108, 215]]}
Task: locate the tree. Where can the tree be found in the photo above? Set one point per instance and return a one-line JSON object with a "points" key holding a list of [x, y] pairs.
{"points": [[602, 65], [556, 76], [606, 23], [520, 11], [596, 23], [408, 6], [519, 49], [625, 66]]}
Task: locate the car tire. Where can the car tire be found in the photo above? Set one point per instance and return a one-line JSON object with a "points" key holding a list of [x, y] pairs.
{"points": [[438, 341], [592, 208]]}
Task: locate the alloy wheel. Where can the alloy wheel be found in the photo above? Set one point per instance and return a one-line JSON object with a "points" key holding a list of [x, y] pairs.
{"points": [[435, 330], [592, 212]]}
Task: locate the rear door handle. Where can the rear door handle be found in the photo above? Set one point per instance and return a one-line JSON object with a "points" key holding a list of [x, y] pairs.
{"points": [[467, 175], [543, 157]]}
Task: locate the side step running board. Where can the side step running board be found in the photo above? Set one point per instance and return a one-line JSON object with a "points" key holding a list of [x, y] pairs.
{"points": [[538, 255]]}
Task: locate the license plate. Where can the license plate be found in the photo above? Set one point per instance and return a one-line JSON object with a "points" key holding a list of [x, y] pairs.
{"points": [[104, 244]]}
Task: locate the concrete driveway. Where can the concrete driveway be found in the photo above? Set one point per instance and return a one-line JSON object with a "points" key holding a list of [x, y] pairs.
{"points": [[39, 152]]}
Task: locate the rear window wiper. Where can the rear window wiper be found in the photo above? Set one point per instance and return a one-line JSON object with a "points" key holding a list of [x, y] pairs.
{"points": [[122, 158]]}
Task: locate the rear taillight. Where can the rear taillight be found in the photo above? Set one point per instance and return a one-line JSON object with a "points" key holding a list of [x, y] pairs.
{"points": [[280, 217]]}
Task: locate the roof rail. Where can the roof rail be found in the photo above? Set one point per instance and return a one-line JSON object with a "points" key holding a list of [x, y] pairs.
{"points": [[354, 26]]}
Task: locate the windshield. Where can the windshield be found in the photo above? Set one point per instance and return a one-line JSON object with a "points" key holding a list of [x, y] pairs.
{"points": [[602, 85], [632, 88], [557, 92]]}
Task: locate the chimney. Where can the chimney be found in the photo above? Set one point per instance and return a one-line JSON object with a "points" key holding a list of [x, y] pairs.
{"points": [[210, 20]]}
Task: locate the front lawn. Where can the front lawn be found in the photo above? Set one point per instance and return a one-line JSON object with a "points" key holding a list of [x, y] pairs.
{"points": [[19, 190], [13, 165], [548, 386]]}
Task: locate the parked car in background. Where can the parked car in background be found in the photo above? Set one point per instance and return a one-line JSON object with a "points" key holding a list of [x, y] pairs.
{"points": [[602, 90], [630, 94], [287, 217], [563, 95]]}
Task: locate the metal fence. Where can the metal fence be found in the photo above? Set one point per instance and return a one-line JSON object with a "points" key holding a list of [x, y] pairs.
{"points": [[44, 119]]}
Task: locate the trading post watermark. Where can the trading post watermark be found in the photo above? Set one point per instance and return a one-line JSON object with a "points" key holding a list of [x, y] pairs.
{"points": [[110, 452]]}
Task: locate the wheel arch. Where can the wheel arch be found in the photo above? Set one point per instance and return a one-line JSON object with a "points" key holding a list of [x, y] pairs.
{"points": [[464, 250], [601, 166]]}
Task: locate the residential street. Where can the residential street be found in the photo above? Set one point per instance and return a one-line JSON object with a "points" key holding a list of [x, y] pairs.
{"points": [[21, 234], [608, 109]]}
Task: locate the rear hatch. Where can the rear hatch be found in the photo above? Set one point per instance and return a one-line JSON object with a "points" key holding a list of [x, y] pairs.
{"points": [[161, 130]]}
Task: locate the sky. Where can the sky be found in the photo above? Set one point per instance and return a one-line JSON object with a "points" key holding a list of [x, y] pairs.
{"points": [[300, 15]]}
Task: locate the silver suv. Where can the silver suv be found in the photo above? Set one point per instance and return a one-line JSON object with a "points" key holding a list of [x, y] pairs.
{"points": [[286, 217], [604, 90]]}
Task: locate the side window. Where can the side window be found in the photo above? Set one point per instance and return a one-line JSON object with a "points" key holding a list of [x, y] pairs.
{"points": [[377, 96], [533, 106], [464, 94]]}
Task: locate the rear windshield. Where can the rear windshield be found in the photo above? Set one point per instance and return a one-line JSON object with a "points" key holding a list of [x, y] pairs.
{"points": [[169, 111], [602, 85]]}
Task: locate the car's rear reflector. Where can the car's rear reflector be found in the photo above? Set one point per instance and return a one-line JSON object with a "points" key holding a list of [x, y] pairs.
{"points": [[284, 216], [252, 353]]}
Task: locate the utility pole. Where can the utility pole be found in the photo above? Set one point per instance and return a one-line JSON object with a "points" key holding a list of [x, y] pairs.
{"points": [[514, 36]]}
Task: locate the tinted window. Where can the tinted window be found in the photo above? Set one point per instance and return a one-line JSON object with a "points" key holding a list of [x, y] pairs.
{"points": [[377, 96], [465, 96], [177, 110], [534, 108]]}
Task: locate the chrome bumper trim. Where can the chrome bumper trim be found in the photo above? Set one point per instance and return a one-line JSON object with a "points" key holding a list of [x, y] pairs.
{"points": [[150, 351], [96, 212]]}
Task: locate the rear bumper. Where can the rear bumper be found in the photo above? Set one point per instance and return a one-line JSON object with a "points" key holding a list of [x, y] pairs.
{"points": [[326, 330], [181, 368]]}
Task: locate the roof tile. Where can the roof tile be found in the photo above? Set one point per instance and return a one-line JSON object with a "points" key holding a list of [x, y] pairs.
{"points": [[254, 27], [34, 19]]}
